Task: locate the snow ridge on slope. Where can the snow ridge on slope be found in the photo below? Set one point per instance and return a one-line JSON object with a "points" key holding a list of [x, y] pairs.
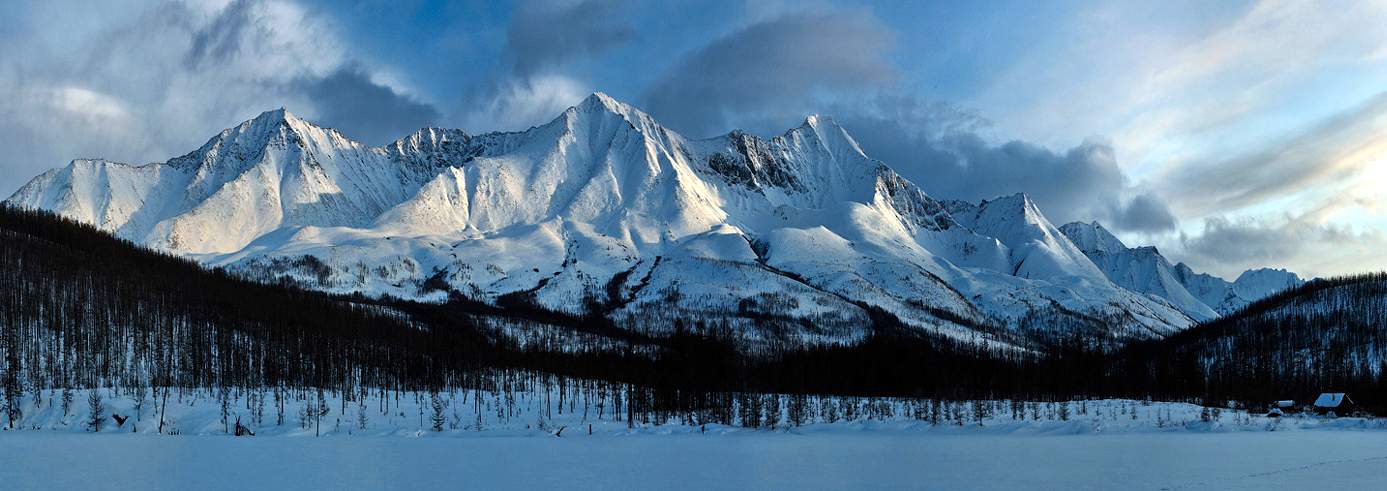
{"points": [[789, 237]]}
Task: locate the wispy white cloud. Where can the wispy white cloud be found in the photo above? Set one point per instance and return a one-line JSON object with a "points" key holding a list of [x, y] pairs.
{"points": [[1227, 246], [1327, 156], [518, 103], [1265, 121], [147, 82], [1162, 93]]}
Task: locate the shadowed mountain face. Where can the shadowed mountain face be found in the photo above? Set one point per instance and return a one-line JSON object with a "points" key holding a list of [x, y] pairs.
{"points": [[796, 238]]}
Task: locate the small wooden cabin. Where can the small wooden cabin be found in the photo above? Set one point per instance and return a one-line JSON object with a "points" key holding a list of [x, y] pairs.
{"points": [[1333, 404], [1279, 408]]}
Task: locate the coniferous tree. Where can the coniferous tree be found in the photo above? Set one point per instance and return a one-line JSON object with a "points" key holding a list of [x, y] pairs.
{"points": [[224, 404], [437, 417], [772, 407], [96, 416]]}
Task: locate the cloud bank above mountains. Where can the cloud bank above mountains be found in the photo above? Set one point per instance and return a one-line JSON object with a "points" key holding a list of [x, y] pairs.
{"points": [[1271, 164]]}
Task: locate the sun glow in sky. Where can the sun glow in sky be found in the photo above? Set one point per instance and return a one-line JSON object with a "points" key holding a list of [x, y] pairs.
{"points": [[1229, 134]]}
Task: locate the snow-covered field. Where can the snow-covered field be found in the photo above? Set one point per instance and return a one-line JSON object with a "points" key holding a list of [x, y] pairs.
{"points": [[465, 413], [495, 441], [813, 459]]}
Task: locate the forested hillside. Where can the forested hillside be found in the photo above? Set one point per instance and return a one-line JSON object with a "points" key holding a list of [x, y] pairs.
{"points": [[79, 308], [1325, 336]]}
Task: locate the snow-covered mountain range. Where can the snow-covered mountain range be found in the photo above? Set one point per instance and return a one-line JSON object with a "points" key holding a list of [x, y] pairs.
{"points": [[1144, 269], [603, 210]]}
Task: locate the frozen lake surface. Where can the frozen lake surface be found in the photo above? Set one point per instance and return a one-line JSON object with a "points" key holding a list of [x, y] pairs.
{"points": [[1324, 459]]}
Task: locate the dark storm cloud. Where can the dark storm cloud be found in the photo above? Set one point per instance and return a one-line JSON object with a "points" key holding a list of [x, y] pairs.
{"points": [[1081, 183], [348, 100], [1231, 245], [344, 98], [546, 42], [785, 67], [773, 66], [1147, 212], [221, 38], [938, 147], [1224, 240], [547, 33]]}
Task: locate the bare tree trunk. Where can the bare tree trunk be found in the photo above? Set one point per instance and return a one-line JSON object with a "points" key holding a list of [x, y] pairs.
{"points": [[163, 408]]}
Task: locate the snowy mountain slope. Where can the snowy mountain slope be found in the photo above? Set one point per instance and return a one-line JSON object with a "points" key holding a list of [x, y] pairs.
{"points": [[1227, 297], [1255, 284], [1037, 249], [268, 173], [1145, 270], [1092, 237], [602, 209], [1140, 269]]}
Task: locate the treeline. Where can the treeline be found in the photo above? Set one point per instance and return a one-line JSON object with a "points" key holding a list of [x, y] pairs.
{"points": [[82, 309]]}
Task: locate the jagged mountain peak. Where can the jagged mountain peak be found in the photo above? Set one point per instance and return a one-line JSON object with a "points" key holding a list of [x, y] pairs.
{"points": [[430, 136], [827, 132], [280, 114], [268, 122], [601, 103], [1018, 204], [1016, 208], [1140, 269], [602, 100], [274, 128], [820, 122], [1016, 200], [1257, 283], [1036, 248], [1092, 237], [1259, 273]]}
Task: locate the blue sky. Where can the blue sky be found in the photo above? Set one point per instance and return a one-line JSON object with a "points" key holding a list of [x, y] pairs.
{"points": [[1229, 134]]}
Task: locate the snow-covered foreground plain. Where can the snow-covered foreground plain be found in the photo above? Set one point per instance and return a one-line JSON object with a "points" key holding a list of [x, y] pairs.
{"points": [[490, 440], [828, 459]]}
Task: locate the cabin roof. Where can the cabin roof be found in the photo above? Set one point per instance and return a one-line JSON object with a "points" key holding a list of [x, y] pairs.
{"points": [[1332, 399]]}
